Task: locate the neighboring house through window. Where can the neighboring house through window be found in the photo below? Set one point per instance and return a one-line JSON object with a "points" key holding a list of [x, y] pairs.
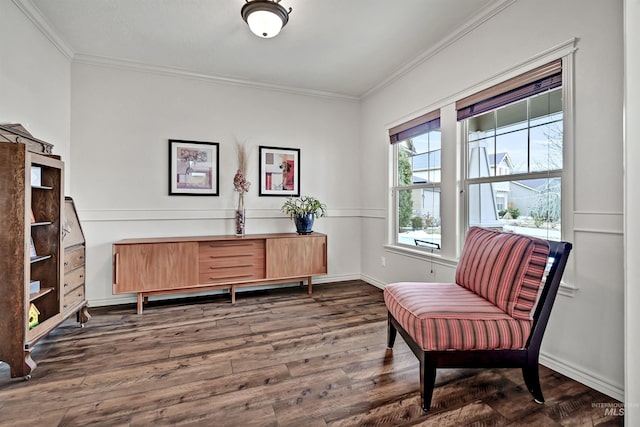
{"points": [[513, 145]]}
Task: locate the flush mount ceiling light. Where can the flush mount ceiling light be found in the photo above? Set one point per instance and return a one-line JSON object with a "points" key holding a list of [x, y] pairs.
{"points": [[265, 17]]}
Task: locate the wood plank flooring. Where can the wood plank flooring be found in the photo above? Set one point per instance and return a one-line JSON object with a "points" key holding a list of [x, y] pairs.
{"points": [[275, 358]]}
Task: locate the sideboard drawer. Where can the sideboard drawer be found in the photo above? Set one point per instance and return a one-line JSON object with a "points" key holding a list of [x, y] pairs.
{"points": [[231, 261], [232, 248]]}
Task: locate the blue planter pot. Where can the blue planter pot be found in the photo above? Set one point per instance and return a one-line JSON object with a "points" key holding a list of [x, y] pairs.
{"points": [[304, 223]]}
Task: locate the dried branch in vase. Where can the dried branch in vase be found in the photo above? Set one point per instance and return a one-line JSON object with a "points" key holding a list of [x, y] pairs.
{"points": [[240, 183]]}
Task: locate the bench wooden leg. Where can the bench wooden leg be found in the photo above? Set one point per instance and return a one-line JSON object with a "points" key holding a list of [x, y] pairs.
{"points": [[532, 380], [427, 383], [391, 332]]}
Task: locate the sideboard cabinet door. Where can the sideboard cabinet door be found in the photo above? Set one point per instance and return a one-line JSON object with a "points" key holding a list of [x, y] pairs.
{"points": [[154, 266], [296, 256]]}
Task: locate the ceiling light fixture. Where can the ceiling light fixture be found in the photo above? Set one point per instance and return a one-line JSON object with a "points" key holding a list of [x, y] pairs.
{"points": [[265, 17]]}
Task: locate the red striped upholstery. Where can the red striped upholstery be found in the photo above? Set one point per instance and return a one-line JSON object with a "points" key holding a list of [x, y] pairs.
{"points": [[489, 306], [445, 316], [503, 268]]}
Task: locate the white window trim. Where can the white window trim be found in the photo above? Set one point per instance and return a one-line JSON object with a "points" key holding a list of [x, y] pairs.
{"points": [[454, 231], [568, 169]]}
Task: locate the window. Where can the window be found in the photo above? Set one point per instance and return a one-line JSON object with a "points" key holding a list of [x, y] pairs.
{"points": [[513, 145], [416, 192]]}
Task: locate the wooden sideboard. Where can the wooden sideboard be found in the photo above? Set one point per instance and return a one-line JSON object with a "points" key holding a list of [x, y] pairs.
{"points": [[166, 265]]}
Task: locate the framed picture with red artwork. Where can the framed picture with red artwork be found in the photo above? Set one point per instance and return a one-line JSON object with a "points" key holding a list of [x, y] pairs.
{"points": [[279, 171]]}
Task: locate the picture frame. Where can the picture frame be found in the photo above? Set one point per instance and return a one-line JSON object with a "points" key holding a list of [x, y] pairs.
{"points": [[194, 168], [279, 171]]}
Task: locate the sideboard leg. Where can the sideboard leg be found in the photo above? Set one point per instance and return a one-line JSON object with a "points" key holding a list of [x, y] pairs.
{"points": [[233, 294], [310, 285], [139, 302]]}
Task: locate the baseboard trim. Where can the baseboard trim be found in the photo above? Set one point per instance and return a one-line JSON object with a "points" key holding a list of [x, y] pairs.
{"points": [[585, 377], [338, 278], [373, 282], [132, 298]]}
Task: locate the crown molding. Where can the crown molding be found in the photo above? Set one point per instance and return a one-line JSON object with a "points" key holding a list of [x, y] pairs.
{"points": [[109, 215], [35, 16], [125, 64], [489, 12]]}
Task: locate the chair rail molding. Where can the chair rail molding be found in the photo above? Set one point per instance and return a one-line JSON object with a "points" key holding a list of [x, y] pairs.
{"points": [[107, 215]]}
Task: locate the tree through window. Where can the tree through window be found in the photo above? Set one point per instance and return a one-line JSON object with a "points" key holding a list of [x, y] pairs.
{"points": [[418, 167]]}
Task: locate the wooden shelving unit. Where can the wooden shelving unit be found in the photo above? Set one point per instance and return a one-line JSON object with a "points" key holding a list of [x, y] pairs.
{"points": [[31, 248], [40, 293]]}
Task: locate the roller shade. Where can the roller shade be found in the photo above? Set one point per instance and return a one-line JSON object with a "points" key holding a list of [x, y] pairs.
{"points": [[536, 81], [415, 127]]}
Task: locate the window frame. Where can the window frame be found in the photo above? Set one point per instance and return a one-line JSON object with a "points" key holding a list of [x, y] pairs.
{"points": [[565, 174], [419, 123], [453, 204]]}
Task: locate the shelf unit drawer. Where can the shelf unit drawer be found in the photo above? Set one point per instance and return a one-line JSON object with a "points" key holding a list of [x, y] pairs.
{"points": [[73, 258], [74, 297], [73, 279], [231, 261]]}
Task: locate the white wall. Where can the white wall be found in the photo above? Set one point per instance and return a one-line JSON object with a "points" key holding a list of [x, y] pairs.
{"points": [[122, 120], [585, 336], [632, 206], [35, 79]]}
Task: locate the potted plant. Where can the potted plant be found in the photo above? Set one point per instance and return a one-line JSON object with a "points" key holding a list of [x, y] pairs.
{"points": [[303, 210]]}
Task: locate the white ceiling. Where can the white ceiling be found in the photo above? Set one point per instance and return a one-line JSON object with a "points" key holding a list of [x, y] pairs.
{"points": [[341, 47]]}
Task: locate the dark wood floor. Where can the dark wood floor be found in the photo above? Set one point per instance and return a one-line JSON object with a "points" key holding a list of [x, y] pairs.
{"points": [[276, 358]]}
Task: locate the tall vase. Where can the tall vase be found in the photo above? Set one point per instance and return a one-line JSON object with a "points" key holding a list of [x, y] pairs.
{"points": [[240, 218]]}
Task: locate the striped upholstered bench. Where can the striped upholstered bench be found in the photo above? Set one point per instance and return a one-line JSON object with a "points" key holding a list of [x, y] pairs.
{"points": [[489, 317]]}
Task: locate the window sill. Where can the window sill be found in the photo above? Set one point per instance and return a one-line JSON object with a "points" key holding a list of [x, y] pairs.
{"points": [[420, 254]]}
